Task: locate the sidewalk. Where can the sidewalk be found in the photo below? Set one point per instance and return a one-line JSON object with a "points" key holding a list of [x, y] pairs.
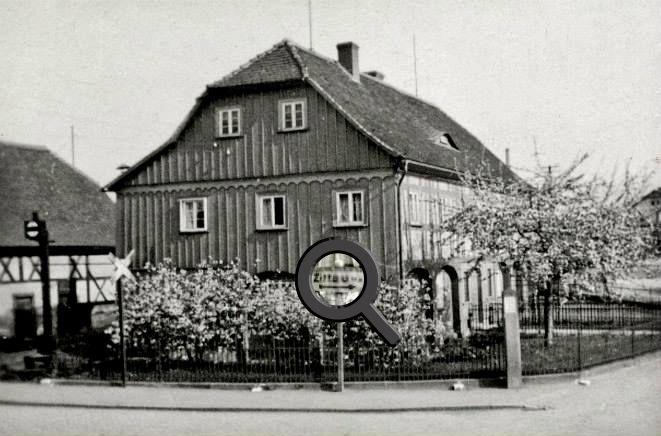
{"points": [[537, 396]]}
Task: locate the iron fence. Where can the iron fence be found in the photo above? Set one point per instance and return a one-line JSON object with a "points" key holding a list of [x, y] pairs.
{"points": [[586, 334], [480, 356]]}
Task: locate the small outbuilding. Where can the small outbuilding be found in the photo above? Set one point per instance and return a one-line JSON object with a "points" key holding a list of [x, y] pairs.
{"points": [[81, 224]]}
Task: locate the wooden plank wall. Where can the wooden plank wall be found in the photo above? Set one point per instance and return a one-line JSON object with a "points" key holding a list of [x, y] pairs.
{"points": [[329, 144], [151, 221]]}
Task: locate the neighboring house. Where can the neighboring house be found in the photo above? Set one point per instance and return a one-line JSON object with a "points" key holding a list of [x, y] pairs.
{"points": [[650, 207], [80, 220], [294, 147]]}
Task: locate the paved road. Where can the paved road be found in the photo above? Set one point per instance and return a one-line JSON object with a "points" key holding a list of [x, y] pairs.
{"points": [[623, 402]]}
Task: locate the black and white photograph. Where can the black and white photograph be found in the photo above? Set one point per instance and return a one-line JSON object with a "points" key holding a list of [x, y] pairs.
{"points": [[333, 217]]}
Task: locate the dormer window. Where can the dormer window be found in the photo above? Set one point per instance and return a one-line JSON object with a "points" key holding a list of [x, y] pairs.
{"points": [[228, 122], [292, 115], [446, 141]]}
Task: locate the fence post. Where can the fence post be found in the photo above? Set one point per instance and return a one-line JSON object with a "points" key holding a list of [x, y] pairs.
{"points": [[580, 327], [512, 336], [340, 357], [633, 338]]}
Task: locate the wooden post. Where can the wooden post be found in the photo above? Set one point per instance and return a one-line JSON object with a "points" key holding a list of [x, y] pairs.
{"points": [[512, 333], [122, 342], [340, 357]]}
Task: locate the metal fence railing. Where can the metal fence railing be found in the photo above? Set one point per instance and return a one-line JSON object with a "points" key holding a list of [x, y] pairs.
{"points": [[480, 356], [586, 334]]}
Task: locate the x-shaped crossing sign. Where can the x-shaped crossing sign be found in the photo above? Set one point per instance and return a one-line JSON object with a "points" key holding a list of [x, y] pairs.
{"points": [[121, 267]]}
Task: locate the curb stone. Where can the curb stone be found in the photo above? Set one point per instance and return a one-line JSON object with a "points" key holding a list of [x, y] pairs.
{"points": [[474, 408]]}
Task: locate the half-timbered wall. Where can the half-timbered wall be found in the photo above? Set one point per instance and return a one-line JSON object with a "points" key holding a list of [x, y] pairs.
{"points": [[151, 220], [329, 144], [433, 201]]}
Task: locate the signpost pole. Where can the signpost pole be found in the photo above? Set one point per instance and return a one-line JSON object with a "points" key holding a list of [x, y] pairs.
{"points": [[121, 270], [49, 339], [122, 342], [340, 356], [36, 230]]}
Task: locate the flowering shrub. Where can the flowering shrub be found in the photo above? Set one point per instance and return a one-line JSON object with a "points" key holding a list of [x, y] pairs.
{"points": [[177, 313]]}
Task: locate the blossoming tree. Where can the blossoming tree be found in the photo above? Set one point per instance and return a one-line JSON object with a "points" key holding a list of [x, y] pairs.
{"points": [[554, 226]]}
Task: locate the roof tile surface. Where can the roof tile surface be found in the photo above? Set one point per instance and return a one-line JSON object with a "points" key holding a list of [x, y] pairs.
{"points": [[34, 179]]}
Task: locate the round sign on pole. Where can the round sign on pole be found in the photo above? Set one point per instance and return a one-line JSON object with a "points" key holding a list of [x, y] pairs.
{"points": [[32, 229]]}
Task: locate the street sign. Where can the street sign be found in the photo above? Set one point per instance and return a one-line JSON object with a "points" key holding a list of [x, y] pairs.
{"points": [[36, 230], [121, 267], [33, 230]]}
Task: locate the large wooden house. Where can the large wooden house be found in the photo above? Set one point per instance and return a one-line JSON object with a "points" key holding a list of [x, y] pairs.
{"points": [[293, 147]]}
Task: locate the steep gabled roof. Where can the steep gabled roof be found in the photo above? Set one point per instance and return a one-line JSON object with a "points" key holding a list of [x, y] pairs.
{"points": [[34, 179], [274, 65], [403, 125]]}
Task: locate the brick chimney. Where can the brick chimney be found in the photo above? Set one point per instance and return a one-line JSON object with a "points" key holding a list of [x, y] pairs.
{"points": [[347, 56]]}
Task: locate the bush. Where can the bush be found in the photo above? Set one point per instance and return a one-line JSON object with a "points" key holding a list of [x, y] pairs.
{"points": [[189, 314]]}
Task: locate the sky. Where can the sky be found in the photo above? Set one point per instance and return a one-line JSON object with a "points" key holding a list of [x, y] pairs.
{"points": [[560, 77]]}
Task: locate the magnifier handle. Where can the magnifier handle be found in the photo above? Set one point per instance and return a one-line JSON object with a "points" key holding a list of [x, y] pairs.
{"points": [[382, 327]]}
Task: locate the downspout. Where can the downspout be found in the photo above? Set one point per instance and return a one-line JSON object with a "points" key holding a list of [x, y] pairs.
{"points": [[404, 169]]}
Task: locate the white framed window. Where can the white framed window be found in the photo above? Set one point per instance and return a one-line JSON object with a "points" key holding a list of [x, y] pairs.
{"points": [[350, 208], [228, 121], [271, 212], [415, 209], [293, 115], [193, 215]]}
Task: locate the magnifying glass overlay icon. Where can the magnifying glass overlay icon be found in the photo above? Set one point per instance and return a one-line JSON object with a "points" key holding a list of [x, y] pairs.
{"points": [[362, 305]]}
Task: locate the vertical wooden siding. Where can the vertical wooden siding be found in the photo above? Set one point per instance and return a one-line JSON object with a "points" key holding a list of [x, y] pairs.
{"points": [[329, 144], [150, 218]]}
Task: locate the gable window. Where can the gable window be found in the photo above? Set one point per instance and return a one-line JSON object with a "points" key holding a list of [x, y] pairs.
{"points": [[271, 212], [229, 122], [415, 214], [349, 208], [193, 215], [293, 115]]}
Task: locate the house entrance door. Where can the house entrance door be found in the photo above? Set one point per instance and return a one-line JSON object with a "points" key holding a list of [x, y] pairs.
{"points": [[25, 317]]}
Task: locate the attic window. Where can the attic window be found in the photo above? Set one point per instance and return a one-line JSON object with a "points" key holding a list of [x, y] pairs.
{"points": [[446, 141], [292, 115], [229, 122]]}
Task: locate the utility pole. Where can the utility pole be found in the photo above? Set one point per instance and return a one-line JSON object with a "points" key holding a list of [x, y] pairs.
{"points": [[415, 67], [310, 22], [73, 148]]}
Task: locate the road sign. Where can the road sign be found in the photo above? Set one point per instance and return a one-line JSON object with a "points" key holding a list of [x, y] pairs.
{"points": [[121, 267], [33, 229]]}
